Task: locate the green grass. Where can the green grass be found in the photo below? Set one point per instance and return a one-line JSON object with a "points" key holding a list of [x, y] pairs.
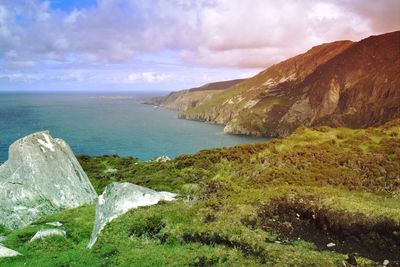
{"points": [[354, 174]]}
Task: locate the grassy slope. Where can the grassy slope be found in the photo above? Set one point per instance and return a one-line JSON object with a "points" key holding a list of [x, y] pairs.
{"points": [[189, 98], [232, 199]]}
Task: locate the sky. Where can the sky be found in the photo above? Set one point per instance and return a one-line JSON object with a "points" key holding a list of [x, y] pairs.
{"points": [[147, 45]]}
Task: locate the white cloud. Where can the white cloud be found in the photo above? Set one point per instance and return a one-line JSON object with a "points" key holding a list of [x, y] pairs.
{"points": [[148, 77], [217, 33], [258, 33], [20, 77]]}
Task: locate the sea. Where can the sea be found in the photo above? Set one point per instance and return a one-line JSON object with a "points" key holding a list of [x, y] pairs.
{"points": [[98, 124]]}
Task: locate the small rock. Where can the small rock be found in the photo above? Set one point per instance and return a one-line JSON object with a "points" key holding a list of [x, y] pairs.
{"points": [[163, 158], [56, 224], [111, 171], [46, 233], [278, 242], [330, 245], [6, 252], [385, 262]]}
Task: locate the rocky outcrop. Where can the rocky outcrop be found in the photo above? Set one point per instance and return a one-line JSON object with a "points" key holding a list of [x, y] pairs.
{"points": [[41, 176], [6, 252], [344, 83], [118, 198], [46, 233]]}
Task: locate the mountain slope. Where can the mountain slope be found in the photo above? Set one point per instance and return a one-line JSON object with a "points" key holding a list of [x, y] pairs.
{"points": [[352, 84], [189, 98]]}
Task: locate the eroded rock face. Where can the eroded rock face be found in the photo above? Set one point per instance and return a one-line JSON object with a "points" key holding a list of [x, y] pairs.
{"points": [[41, 176], [6, 252], [118, 198]]}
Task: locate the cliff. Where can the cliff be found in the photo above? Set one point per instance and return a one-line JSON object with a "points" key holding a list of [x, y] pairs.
{"points": [[344, 83]]}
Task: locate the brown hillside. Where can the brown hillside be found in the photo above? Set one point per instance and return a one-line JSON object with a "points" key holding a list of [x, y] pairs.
{"points": [[339, 84]]}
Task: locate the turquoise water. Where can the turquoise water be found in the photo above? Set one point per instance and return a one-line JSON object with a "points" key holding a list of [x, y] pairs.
{"points": [[96, 125]]}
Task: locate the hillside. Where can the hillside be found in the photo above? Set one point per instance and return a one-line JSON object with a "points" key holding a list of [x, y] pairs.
{"points": [[321, 197], [350, 84], [189, 98]]}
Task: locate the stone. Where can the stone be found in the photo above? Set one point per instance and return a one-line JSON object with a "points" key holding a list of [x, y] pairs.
{"points": [[40, 177], [385, 262], [163, 158], [56, 224], [330, 245], [111, 171], [118, 198], [47, 232], [6, 252]]}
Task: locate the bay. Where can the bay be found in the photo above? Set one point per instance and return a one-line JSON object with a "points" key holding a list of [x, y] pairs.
{"points": [[102, 124]]}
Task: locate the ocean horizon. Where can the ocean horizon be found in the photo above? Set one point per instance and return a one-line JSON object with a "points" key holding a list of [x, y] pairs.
{"points": [[101, 123]]}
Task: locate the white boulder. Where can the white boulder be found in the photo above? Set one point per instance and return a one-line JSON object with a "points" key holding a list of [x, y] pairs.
{"points": [[6, 252], [41, 176], [47, 232], [118, 198]]}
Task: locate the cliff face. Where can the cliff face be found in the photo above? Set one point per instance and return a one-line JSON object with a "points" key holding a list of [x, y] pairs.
{"points": [[40, 177], [344, 83], [190, 98]]}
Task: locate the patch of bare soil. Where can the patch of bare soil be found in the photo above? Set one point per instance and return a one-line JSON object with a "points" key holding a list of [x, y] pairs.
{"points": [[294, 217]]}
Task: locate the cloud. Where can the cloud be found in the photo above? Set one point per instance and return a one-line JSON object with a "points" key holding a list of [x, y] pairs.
{"points": [[213, 33], [148, 77], [259, 33], [20, 77]]}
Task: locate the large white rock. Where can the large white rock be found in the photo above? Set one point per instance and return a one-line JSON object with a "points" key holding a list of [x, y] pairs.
{"points": [[6, 252], [41, 176], [118, 198], [47, 232]]}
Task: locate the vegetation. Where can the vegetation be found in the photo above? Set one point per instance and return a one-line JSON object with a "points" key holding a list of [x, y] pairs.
{"points": [[275, 204]]}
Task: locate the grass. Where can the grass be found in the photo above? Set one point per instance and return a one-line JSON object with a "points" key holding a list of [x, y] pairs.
{"points": [[226, 214]]}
